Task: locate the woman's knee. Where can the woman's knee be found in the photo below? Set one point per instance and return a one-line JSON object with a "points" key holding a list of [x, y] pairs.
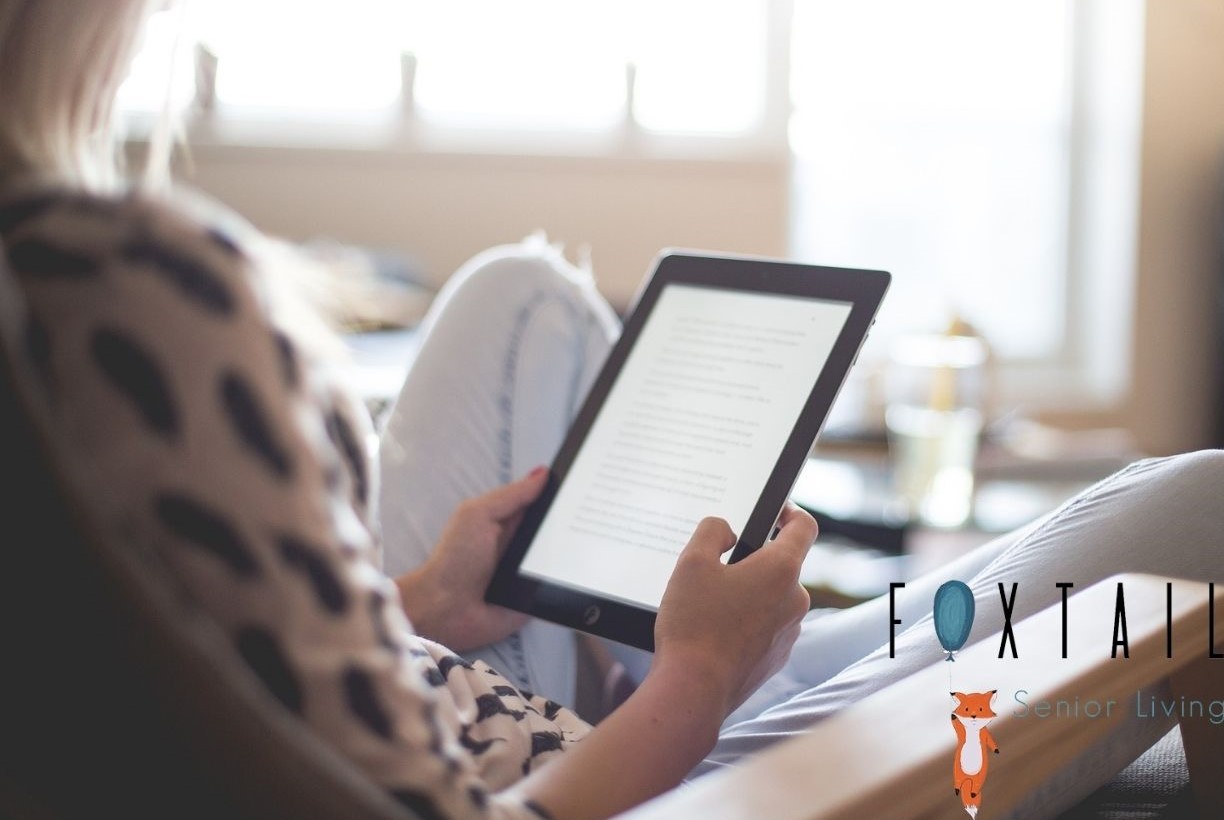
{"points": [[1200, 466], [1183, 477], [504, 278], [1159, 515]]}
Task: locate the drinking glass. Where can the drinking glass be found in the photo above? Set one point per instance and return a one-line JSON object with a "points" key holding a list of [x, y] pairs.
{"points": [[934, 389]]}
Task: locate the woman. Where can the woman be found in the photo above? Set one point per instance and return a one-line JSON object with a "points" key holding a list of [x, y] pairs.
{"points": [[209, 432]]}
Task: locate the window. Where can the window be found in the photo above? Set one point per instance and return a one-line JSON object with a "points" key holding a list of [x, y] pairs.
{"points": [[985, 154], [285, 55], [536, 65]]}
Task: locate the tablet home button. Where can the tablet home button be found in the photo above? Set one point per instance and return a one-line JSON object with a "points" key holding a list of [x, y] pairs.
{"points": [[591, 615]]}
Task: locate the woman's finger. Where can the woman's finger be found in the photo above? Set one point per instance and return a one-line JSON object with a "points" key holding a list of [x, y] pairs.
{"points": [[795, 537], [712, 537], [510, 499]]}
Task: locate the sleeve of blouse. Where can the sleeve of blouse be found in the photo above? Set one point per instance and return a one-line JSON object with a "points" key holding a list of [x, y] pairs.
{"points": [[197, 421]]}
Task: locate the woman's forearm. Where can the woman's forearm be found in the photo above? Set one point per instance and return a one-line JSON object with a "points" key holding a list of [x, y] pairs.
{"points": [[721, 630], [425, 607], [643, 749]]}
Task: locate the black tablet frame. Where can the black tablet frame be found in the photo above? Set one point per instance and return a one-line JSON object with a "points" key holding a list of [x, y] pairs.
{"points": [[634, 625]]}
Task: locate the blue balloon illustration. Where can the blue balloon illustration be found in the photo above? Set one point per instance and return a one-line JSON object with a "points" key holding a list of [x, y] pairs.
{"points": [[953, 615]]}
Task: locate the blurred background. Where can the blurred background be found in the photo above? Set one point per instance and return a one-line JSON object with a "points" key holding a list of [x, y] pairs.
{"points": [[1046, 176]]}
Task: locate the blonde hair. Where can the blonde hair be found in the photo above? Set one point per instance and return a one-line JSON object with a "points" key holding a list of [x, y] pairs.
{"points": [[61, 65]]}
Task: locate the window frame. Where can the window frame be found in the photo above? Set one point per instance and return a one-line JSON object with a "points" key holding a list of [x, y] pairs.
{"points": [[1089, 375], [401, 129]]}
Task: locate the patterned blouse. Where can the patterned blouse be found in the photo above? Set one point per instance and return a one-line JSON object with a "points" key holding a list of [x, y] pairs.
{"points": [[207, 433]]}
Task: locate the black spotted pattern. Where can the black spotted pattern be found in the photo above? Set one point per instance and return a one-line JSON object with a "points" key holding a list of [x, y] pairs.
{"points": [[132, 372], [478, 796], [260, 650], [14, 213], [476, 747], [193, 280], [247, 417], [33, 257], [449, 662], [542, 742], [382, 634], [287, 355], [342, 434], [364, 703], [540, 811], [135, 374], [488, 705], [222, 241], [310, 562], [207, 530]]}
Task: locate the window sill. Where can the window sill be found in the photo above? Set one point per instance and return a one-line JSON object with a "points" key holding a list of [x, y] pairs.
{"points": [[392, 133]]}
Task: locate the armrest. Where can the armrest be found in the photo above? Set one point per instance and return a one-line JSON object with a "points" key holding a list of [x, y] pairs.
{"points": [[890, 755]]}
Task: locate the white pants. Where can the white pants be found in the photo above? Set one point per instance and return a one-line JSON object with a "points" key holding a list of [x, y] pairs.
{"points": [[511, 346]]}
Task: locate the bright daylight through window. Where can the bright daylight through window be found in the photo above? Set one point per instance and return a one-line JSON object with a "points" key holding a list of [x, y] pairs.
{"points": [[986, 154], [537, 64], [982, 152]]}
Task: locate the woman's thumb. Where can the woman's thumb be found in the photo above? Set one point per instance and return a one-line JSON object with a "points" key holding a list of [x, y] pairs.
{"points": [[511, 498]]}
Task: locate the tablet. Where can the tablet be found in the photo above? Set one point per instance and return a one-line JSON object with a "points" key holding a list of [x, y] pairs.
{"points": [[708, 405]]}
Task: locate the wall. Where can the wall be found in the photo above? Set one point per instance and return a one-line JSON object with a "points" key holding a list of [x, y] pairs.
{"points": [[442, 208], [1174, 393]]}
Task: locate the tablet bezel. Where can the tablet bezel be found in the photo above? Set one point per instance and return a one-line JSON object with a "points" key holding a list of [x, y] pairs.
{"points": [[633, 624]]}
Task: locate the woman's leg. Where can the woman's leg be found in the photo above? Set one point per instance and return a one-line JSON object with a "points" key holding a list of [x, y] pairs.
{"points": [[1159, 516], [510, 347], [832, 640]]}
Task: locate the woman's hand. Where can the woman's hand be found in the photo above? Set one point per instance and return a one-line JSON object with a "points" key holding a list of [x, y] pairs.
{"points": [[444, 597], [734, 625], [721, 631]]}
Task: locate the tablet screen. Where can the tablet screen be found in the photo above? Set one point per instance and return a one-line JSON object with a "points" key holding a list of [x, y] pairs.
{"points": [[693, 426]]}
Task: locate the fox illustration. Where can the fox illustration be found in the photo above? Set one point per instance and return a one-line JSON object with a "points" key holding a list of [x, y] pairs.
{"points": [[973, 740]]}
